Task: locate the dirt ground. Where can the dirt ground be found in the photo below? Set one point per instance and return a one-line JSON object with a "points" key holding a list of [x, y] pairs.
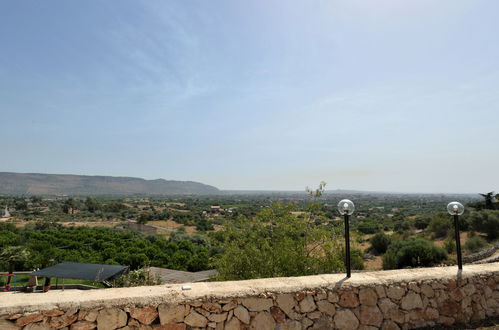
{"points": [[441, 241], [170, 225]]}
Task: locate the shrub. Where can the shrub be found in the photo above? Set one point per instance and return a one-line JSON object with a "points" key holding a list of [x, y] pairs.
{"points": [[368, 226], [475, 244], [275, 243], [422, 222], [356, 260], [450, 245], [485, 221], [401, 226], [412, 252], [139, 277], [440, 225], [380, 242]]}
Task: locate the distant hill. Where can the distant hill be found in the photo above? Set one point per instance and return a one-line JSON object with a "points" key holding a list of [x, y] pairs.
{"points": [[64, 184]]}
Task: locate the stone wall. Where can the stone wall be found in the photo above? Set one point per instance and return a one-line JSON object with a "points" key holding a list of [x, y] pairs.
{"points": [[398, 299], [478, 256]]}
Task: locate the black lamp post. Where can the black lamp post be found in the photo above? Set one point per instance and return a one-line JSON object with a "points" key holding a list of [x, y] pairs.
{"points": [[456, 209], [346, 208]]}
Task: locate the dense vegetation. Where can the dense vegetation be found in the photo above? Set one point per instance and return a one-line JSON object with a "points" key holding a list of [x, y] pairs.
{"points": [[47, 246], [243, 236], [412, 252], [276, 243]]}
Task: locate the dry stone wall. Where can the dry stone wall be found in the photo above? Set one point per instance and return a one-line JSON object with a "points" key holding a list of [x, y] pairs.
{"points": [[402, 299], [476, 257]]}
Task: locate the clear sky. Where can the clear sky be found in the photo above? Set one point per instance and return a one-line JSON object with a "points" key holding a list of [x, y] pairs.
{"points": [[383, 95]]}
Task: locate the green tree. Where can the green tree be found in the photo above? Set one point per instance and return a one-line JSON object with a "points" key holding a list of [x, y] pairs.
{"points": [[14, 255], [475, 244], [20, 204], [450, 245], [315, 212], [380, 242], [92, 205], [276, 243], [69, 205], [485, 221], [489, 199], [412, 252], [144, 217], [440, 225], [36, 199], [422, 222]]}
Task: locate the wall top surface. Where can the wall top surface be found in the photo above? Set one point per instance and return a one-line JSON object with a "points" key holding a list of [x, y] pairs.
{"points": [[154, 295]]}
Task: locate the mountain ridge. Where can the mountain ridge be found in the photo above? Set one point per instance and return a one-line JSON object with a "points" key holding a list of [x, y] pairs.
{"points": [[74, 184]]}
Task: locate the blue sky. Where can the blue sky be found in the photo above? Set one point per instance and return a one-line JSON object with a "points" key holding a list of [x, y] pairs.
{"points": [[381, 95]]}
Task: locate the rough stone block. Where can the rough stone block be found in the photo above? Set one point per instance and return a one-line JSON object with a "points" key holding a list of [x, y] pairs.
{"points": [[326, 307], [348, 299], [411, 301], [368, 296], [195, 319], [257, 304], [395, 292], [111, 318], [145, 315], [263, 321], [345, 319], [307, 304], [172, 313], [286, 302]]}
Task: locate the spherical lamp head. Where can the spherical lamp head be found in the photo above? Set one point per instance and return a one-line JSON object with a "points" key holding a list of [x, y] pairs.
{"points": [[346, 206], [455, 208]]}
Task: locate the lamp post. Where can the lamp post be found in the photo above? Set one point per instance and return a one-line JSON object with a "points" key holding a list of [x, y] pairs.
{"points": [[346, 208], [456, 209]]}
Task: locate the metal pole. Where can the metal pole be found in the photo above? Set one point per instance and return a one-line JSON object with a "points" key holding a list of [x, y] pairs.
{"points": [[458, 242], [347, 245]]}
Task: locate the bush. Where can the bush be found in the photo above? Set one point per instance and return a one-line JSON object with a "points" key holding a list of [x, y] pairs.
{"points": [[440, 225], [475, 244], [412, 252], [450, 245], [275, 243], [139, 277], [380, 242], [368, 226], [401, 226], [422, 222], [356, 260], [485, 221]]}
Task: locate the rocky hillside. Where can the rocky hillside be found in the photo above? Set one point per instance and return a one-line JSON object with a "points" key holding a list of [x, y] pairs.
{"points": [[62, 184]]}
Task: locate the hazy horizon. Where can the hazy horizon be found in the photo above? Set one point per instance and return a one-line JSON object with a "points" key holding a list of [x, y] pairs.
{"points": [[302, 190], [384, 96]]}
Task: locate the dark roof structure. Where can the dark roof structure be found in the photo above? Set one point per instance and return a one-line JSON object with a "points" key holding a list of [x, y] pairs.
{"points": [[166, 275], [81, 271]]}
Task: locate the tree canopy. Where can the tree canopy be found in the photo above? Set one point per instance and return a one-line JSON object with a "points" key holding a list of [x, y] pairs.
{"points": [[277, 243]]}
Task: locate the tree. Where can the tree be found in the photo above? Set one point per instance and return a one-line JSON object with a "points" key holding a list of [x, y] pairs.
{"points": [[380, 242], [412, 252], [143, 218], [489, 202], [475, 244], [69, 206], [314, 208], [92, 205], [14, 255], [20, 204], [440, 225], [485, 221], [421, 222], [489, 198], [317, 192], [276, 243], [36, 199]]}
